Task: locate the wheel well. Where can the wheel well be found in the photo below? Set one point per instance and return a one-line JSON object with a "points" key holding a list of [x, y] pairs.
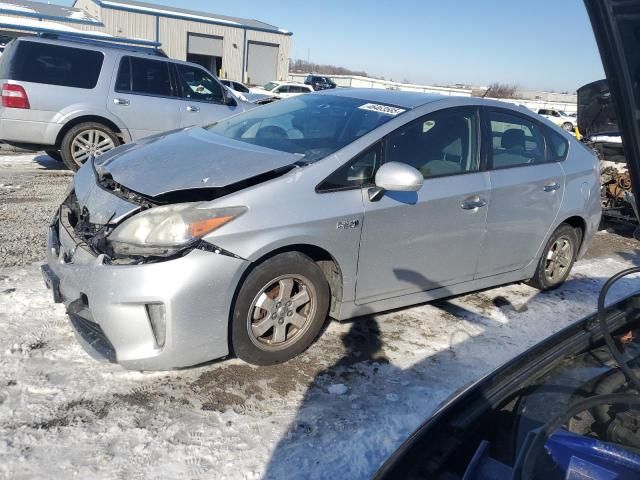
{"points": [[88, 118], [579, 224], [325, 261]]}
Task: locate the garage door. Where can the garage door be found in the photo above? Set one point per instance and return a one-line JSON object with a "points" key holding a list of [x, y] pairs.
{"points": [[203, 45], [262, 63]]}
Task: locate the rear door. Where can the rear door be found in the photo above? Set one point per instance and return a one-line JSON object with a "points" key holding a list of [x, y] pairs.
{"points": [[144, 96], [526, 191], [202, 97]]}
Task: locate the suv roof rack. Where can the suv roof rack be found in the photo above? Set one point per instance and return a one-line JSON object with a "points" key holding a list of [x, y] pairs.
{"points": [[131, 44]]}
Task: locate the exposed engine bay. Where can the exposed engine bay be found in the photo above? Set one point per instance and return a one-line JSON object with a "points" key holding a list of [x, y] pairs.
{"points": [[566, 409], [598, 124]]}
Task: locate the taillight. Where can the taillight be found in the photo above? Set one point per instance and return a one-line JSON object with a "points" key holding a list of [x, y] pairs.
{"points": [[14, 96]]}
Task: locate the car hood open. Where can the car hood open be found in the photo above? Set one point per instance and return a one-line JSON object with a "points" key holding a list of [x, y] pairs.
{"points": [[188, 159]]}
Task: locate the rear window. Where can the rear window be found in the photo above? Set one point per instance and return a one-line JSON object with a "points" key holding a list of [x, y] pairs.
{"points": [[56, 65]]}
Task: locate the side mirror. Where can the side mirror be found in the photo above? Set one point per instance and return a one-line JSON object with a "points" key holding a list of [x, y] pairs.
{"points": [[396, 177]]}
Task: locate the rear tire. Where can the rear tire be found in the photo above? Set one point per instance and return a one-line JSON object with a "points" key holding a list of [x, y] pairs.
{"points": [[84, 141], [280, 309], [557, 258], [55, 154]]}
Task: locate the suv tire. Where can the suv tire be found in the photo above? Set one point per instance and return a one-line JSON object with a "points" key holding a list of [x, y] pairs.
{"points": [[557, 258], [280, 309], [567, 126], [84, 140]]}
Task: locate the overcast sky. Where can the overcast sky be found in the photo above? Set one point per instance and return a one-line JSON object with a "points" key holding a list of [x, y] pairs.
{"points": [[546, 44]]}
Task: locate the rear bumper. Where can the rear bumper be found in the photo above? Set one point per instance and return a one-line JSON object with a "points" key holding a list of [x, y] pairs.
{"points": [[109, 304], [27, 132]]}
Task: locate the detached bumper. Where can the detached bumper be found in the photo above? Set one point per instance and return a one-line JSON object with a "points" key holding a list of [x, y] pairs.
{"points": [[109, 305]]}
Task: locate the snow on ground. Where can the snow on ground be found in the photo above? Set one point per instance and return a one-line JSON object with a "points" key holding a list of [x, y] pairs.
{"points": [[338, 411]]}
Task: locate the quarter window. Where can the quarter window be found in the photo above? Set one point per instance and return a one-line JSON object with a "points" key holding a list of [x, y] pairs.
{"points": [[516, 141], [144, 76], [198, 84], [438, 144], [557, 147], [56, 65], [355, 174]]}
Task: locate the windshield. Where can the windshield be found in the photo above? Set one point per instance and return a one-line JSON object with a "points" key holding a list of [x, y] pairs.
{"points": [[270, 86], [312, 126]]}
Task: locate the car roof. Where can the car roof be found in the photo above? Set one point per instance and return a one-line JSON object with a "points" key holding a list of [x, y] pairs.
{"points": [[390, 97]]}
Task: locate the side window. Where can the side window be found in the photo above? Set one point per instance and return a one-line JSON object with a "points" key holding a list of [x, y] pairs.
{"points": [[441, 143], [144, 76], [354, 174], [516, 141], [56, 65], [199, 85], [557, 146], [282, 89]]}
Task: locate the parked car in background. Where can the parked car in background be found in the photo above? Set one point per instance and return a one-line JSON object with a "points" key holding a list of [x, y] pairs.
{"points": [[318, 82], [560, 118], [282, 89], [235, 86], [78, 98], [243, 93], [243, 237]]}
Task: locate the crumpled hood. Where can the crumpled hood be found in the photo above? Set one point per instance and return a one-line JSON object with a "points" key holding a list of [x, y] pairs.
{"points": [[188, 159]]}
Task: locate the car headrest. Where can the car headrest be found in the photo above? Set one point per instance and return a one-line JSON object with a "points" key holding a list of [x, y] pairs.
{"points": [[513, 138]]}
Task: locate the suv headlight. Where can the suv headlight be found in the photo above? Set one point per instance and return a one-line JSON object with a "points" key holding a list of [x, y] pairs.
{"points": [[164, 231]]}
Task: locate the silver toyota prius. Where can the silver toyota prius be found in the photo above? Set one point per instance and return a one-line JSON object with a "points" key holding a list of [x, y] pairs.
{"points": [[246, 236]]}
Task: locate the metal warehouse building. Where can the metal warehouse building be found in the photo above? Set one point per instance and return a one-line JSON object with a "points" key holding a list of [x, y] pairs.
{"points": [[234, 48]]}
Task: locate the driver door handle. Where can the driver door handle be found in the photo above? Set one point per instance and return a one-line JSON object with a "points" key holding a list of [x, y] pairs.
{"points": [[474, 203], [191, 108], [552, 187]]}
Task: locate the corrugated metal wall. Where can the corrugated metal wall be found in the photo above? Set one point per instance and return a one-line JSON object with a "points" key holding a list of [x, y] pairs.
{"points": [[173, 36]]}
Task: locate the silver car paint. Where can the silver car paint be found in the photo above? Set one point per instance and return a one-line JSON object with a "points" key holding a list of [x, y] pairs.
{"points": [[402, 261], [53, 107], [212, 161]]}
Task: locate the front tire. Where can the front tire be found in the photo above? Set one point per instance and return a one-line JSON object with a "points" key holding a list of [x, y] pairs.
{"points": [[84, 141], [280, 309], [557, 258]]}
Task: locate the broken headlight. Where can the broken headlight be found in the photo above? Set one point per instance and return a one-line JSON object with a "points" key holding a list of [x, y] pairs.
{"points": [[167, 230]]}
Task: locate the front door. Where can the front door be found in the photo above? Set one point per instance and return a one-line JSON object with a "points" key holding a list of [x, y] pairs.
{"points": [[527, 187], [413, 242], [202, 101]]}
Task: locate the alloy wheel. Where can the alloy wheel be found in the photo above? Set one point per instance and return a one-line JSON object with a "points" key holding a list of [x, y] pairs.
{"points": [[559, 260], [90, 143], [281, 312]]}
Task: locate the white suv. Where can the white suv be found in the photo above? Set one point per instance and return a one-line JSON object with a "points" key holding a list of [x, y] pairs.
{"points": [[560, 118]]}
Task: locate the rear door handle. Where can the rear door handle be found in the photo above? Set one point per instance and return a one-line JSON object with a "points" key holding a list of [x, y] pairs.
{"points": [[473, 203], [191, 108], [122, 101], [552, 187]]}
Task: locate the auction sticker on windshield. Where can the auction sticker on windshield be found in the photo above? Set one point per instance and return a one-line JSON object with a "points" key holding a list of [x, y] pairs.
{"points": [[385, 109]]}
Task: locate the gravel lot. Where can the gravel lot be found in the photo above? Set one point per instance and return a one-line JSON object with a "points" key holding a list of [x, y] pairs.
{"points": [[30, 190], [335, 412]]}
